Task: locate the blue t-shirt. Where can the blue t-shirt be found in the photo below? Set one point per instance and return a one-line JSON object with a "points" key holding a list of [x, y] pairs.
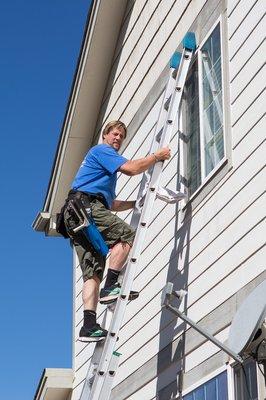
{"points": [[98, 172]]}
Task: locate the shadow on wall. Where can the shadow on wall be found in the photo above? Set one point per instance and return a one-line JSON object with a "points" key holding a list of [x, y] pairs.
{"points": [[171, 356]]}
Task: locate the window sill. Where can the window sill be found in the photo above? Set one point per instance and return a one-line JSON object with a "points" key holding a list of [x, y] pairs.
{"points": [[208, 185]]}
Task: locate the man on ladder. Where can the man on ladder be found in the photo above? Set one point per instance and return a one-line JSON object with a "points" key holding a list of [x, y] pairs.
{"points": [[94, 185]]}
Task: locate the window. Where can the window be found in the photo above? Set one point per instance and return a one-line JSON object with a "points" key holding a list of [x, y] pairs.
{"points": [[214, 389], [246, 386], [203, 112]]}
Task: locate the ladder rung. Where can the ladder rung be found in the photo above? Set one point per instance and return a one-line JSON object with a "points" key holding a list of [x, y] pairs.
{"points": [[106, 367], [159, 135], [166, 104]]}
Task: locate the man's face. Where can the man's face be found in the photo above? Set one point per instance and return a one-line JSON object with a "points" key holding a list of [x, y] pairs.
{"points": [[115, 138]]}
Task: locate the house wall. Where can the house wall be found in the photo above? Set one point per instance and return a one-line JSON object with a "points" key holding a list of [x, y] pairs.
{"points": [[215, 244]]}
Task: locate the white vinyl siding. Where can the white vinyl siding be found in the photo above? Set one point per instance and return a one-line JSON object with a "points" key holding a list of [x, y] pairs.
{"points": [[214, 248]]}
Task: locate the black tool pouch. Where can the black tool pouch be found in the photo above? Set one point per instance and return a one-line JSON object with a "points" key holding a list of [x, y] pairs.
{"points": [[66, 220], [60, 223]]}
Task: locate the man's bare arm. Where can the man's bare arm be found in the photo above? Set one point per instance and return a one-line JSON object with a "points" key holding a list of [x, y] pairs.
{"points": [[120, 205], [135, 167]]}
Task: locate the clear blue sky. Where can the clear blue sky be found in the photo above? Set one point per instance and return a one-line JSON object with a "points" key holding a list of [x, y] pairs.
{"points": [[39, 42]]}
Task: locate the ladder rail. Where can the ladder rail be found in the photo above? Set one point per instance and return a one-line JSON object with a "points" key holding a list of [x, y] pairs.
{"points": [[147, 174], [135, 253], [154, 146], [104, 361], [134, 223]]}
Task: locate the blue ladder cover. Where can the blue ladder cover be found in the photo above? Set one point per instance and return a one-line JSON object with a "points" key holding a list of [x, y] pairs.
{"points": [[189, 41], [175, 60]]}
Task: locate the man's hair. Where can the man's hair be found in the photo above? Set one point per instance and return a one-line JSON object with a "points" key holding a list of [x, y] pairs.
{"points": [[114, 124]]}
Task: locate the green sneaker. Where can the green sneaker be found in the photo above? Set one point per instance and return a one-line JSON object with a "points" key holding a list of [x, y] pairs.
{"points": [[110, 294], [94, 334]]}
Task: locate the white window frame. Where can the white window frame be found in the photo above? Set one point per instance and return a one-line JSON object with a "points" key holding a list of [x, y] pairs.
{"points": [[224, 160]]}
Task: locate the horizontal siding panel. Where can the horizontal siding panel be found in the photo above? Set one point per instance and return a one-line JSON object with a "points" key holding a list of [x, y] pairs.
{"points": [[217, 203], [158, 248], [143, 296], [132, 16], [238, 16], [250, 69], [142, 55], [135, 43], [143, 83], [163, 56], [231, 6], [250, 128], [205, 351], [209, 258], [249, 47], [248, 95], [165, 378], [228, 263], [224, 290], [245, 29], [154, 286], [214, 322], [196, 311], [231, 284]]}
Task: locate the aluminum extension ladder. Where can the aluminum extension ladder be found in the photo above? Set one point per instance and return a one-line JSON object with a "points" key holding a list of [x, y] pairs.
{"points": [[105, 360]]}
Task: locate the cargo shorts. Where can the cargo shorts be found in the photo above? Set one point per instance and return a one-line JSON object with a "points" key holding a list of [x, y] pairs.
{"points": [[113, 230]]}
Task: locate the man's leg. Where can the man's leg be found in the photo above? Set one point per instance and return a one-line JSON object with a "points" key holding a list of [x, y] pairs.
{"points": [[111, 289], [90, 262], [90, 293], [92, 265], [119, 255], [119, 237]]}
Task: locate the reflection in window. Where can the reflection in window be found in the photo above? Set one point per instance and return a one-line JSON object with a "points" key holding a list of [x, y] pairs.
{"points": [[191, 104], [212, 101], [214, 389]]}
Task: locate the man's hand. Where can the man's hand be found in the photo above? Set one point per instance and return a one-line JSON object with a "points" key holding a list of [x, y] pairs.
{"points": [[163, 154]]}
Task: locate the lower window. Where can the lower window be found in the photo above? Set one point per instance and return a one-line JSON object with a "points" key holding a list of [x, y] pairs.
{"points": [[214, 389]]}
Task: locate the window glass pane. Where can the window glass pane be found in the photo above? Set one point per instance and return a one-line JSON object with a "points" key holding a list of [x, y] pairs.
{"points": [[222, 392], [246, 387], [212, 101], [211, 390], [192, 128], [214, 389], [199, 393]]}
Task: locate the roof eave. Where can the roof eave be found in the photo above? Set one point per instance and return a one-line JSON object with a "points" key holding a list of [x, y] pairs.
{"points": [[87, 91]]}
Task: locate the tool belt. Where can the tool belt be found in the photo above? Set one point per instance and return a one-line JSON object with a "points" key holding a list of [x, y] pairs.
{"points": [[77, 205]]}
